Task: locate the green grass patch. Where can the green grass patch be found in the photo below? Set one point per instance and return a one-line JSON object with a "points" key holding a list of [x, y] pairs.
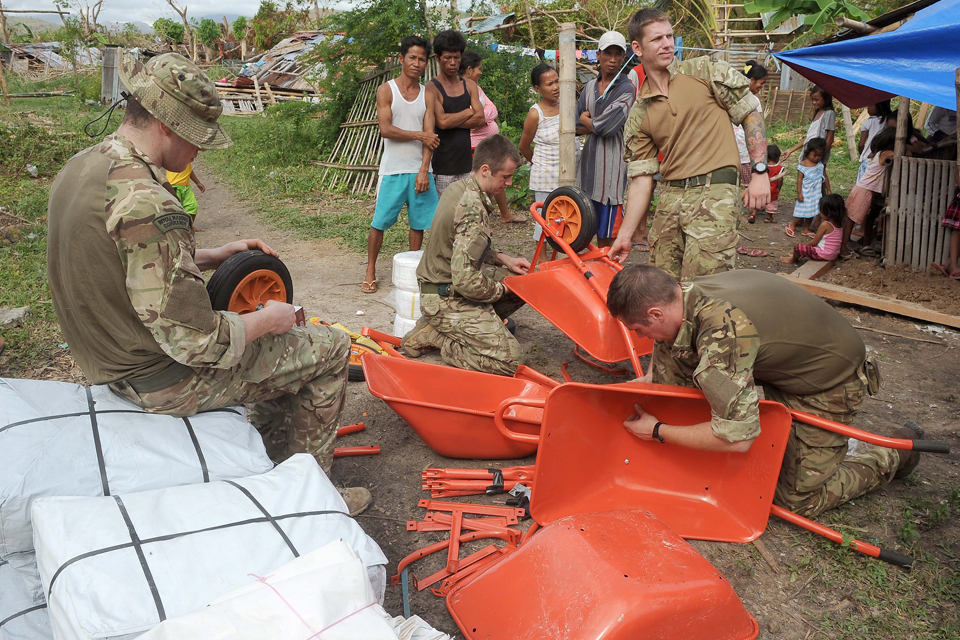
{"points": [[841, 170]]}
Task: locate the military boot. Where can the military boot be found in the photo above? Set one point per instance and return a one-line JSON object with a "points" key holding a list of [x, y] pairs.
{"points": [[908, 459], [422, 337], [357, 499]]}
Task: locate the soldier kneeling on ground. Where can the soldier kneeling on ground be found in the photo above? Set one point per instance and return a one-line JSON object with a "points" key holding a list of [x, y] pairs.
{"points": [[463, 299], [126, 280], [724, 333]]}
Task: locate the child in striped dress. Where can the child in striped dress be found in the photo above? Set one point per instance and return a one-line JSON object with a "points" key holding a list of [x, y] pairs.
{"points": [[826, 241], [812, 181]]}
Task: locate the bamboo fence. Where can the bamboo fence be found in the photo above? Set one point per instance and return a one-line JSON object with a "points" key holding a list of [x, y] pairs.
{"points": [[355, 158], [914, 235]]}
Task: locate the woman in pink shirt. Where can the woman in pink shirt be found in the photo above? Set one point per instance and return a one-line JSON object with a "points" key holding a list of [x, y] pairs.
{"points": [[825, 245], [471, 68]]}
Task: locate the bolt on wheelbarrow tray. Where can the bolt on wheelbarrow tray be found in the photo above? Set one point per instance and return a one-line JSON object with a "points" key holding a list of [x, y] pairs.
{"points": [[589, 462], [616, 575], [452, 409]]}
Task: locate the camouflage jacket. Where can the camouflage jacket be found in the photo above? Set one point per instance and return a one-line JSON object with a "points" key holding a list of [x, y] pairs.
{"points": [[730, 87], [156, 245], [714, 351], [473, 247]]}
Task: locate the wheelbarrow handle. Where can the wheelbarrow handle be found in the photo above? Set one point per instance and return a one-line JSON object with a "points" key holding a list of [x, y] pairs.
{"points": [[831, 534], [926, 446], [501, 425]]}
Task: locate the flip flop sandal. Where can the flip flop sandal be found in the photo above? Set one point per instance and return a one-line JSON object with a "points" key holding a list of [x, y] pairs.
{"points": [[641, 246], [955, 275], [790, 232], [769, 220], [369, 287], [520, 220]]}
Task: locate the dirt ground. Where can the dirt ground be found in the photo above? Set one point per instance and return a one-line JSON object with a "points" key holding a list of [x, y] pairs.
{"points": [[921, 369]]}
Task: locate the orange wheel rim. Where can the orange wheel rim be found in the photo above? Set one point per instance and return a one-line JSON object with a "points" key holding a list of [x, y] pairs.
{"points": [[563, 216], [357, 351], [256, 290]]}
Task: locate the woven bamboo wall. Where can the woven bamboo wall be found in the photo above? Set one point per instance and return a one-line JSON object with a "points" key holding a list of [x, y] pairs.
{"points": [[355, 158], [914, 235], [787, 107]]}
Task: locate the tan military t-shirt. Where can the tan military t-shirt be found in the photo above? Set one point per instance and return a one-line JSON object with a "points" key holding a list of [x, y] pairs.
{"points": [[691, 126]]}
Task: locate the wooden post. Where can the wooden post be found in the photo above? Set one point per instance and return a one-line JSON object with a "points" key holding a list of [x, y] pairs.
{"points": [[256, 85], [900, 146], [266, 85], [568, 103], [3, 27], [533, 43], [850, 135], [3, 86]]}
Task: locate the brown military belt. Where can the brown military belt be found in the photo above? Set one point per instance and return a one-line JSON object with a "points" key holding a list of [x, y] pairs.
{"points": [[160, 380], [720, 176], [445, 289]]}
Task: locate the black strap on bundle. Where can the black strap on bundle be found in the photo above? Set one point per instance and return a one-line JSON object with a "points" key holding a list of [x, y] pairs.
{"points": [[196, 445], [96, 442], [138, 547], [266, 514], [22, 613], [80, 414]]}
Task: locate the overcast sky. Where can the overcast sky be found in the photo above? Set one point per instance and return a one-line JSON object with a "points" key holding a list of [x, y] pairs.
{"points": [[148, 10]]}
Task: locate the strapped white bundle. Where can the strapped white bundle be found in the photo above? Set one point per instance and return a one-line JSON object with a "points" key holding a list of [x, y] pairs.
{"points": [[23, 611], [61, 439]]}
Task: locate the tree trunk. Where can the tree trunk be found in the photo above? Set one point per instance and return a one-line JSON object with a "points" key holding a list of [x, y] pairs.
{"points": [[208, 51], [243, 48], [3, 27], [3, 85]]}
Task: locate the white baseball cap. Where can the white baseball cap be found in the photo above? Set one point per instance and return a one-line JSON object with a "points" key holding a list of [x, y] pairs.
{"points": [[611, 39]]}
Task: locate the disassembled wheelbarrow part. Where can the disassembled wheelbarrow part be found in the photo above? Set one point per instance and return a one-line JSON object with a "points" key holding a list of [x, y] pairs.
{"points": [[247, 280]]}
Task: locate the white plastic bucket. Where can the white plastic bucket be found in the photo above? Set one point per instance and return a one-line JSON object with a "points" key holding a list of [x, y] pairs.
{"points": [[405, 270], [402, 326], [407, 304]]}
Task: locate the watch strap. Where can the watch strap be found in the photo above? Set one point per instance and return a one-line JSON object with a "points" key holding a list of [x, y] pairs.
{"points": [[656, 432]]}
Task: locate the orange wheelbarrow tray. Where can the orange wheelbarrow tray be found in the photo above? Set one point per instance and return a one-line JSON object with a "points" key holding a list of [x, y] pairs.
{"points": [[617, 575], [452, 409], [571, 293]]}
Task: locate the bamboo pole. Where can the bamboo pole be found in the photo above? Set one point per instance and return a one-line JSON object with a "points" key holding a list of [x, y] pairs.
{"points": [[3, 86], [894, 236], [568, 102], [848, 131], [533, 44]]}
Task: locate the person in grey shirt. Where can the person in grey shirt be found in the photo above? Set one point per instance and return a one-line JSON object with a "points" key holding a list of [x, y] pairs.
{"points": [[601, 114]]}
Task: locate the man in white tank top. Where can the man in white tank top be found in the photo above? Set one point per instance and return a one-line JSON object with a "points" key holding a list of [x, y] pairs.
{"points": [[408, 143]]}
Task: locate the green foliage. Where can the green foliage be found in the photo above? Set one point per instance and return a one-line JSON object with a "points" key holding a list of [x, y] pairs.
{"points": [[272, 24], [819, 13], [506, 80], [208, 32], [240, 28], [169, 31]]}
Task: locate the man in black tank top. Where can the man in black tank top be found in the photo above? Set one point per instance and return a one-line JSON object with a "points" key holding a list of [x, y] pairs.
{"points": [[456, 103]]}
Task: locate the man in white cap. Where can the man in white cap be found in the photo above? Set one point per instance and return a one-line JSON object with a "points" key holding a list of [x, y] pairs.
{"points": [[126, 280], [601, 114]]}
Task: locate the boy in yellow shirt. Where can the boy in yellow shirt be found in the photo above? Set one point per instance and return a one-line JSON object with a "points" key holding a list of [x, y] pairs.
{"points": [[181, 182]]}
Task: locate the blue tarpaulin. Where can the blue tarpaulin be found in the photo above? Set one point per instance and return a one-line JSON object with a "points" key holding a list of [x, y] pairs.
{"points": [[919, 60]]}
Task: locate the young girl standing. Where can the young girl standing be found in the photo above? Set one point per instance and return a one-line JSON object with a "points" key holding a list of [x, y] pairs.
{"points": [[826, 243], [811, 181], [823, 124], [542, 128]]}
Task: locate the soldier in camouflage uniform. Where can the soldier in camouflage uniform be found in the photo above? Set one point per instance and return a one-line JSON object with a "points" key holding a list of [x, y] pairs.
{"points": [[463, 298], [727, 332], [126, 280], [683, 113]]}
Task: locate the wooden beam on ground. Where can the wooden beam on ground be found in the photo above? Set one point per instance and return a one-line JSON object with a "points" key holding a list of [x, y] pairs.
{"points": [[877, 302], [813, 269]]}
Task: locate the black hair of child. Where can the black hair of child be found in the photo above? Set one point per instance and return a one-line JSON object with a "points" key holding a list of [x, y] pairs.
{"points": [[884, 141], [813, 145], [773, 153], [832, 209]]}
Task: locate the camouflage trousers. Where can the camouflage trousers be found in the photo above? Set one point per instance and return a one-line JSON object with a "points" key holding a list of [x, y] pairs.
{"points": [[294, 386], [694, 230], [817, 475], [473, 334]]}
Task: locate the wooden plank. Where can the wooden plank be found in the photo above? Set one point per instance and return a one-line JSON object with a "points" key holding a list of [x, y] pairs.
{"points": [[813, 269], [917, 173], [877, 302]]}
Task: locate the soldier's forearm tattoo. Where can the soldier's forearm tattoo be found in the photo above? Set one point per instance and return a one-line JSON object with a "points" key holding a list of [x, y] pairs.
{"points": [[755, 132]]}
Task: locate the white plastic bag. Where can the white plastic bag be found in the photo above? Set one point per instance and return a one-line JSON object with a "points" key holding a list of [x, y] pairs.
{"points": [[323, 594], [23, 612], [120, 565], [61, 439], [405, 270]]}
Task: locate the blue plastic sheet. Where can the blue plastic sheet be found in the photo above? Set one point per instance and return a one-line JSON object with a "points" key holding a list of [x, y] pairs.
{"points": [[919, 60]]}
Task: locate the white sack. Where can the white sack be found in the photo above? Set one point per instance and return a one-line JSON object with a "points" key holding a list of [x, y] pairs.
{"points": [[402, 326], [108, 594], [23, 613], [47, 448], [405, 303], [405, 270], [326, 590]]}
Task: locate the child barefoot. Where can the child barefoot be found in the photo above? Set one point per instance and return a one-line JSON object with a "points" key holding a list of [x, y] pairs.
{"points": [[811, 179], [826, 242], [776, 174]]}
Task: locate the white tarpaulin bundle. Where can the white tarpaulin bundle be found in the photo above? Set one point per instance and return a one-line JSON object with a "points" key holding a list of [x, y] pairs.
{"points": [[119, 565], [324, 594], [23, 612], [60, 439]]}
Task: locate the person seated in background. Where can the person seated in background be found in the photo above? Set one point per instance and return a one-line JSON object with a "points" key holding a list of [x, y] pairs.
{"points": [[866, 198], [825, 244]]}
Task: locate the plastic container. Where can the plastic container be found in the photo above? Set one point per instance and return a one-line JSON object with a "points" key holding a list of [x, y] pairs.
{"points": [[405, 270], [401, 325], [406, 303]]}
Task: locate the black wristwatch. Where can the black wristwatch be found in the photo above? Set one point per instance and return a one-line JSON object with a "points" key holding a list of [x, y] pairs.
{"points": [[760, 167], [656, 432]]}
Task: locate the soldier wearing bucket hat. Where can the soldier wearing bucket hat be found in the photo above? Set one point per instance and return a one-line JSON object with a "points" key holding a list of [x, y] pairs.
{"points": [[126, 280]]}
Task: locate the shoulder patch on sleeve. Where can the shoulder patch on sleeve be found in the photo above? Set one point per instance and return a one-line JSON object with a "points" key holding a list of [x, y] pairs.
{"points": [[170, 221]]}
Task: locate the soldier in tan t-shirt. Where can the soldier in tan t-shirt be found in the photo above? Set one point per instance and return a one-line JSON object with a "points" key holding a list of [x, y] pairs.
{"points": [[683, 111]]}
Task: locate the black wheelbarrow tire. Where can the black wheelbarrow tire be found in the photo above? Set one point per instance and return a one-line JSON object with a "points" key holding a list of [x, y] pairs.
{"points": [[262, 275], [579, 211], [355, 368]]}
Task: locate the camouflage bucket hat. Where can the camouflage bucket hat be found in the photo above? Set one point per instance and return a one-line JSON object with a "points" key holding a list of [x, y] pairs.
{"points": [[178, 94]]}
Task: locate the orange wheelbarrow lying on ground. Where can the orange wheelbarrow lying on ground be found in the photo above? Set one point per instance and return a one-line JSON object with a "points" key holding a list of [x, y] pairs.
{"points": [[572, 292]]}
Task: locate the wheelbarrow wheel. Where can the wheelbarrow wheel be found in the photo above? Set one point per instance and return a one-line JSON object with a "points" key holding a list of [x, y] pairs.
{"points": [[355, 369], [248, 280], [576, 209]]}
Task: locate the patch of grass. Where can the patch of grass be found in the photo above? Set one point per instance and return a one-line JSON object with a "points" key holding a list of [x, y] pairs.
{"points": [[841, 170]]}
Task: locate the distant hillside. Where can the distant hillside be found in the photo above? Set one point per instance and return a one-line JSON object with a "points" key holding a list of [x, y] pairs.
{"points": [[36, 25]]}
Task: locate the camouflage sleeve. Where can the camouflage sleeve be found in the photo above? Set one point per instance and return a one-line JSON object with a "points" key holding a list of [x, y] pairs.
{"points": [[471, 246], [155, 245], [665, 369], [639, 150], [727, 343], [730, 87]]}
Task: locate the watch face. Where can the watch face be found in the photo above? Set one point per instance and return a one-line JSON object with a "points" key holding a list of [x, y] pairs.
{"points": [[760, 167]]}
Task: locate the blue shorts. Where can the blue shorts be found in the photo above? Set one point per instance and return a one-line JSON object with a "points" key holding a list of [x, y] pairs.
{"points": [[609, 217], [396, 190]]}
